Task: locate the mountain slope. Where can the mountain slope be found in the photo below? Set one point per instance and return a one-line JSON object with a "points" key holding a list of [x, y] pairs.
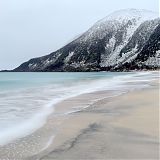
{"points": [[110, 44], [149, 57]]}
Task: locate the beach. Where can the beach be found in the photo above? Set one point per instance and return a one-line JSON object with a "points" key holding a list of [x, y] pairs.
{"points": [[108, 124], [125, 127]]}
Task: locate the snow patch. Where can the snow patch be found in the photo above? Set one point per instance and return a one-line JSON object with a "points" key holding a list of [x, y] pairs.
{"points": [[32, 66], [153, 61], [129, 56], [68, 57]]}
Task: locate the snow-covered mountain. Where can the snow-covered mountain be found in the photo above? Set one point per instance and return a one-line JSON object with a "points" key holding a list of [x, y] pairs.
{"points": [[113, 43]]}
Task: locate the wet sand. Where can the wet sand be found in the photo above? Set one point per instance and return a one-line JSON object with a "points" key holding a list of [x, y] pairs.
{"points": [[124, 127], [40, 141]]}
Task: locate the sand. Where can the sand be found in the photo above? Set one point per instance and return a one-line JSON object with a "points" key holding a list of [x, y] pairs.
{"points": [[124, 127]]}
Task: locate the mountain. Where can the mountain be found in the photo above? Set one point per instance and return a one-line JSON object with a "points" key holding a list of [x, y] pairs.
{"points": [[149, 57], [124, 40]]}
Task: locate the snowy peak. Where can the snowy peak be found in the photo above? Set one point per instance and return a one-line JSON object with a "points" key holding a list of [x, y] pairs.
{"points": [[128, 19], [129, 14]]}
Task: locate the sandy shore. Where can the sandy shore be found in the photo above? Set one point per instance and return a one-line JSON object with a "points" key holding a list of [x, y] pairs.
{"points": [[124, 127]]}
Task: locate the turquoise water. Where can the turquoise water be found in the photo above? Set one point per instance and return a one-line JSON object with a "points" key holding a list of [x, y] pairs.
{"points": [[9, 81], [26, 99]]}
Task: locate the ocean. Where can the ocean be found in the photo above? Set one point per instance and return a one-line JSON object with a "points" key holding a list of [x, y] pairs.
{"points": [[27, 99]]}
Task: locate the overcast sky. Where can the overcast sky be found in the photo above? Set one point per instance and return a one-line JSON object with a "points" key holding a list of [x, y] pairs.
{"points": [[31, 28]]}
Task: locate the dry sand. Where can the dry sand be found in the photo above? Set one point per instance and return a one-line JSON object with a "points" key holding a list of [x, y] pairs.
{"points": [[124, 127]]}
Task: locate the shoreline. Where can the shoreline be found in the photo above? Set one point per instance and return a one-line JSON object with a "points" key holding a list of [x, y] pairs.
{"points": [[23, 147], [71, 141], [71, 135], [40, 140]]}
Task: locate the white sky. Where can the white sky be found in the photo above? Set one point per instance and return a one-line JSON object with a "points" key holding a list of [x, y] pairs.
{"points": [[31, 28]]}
